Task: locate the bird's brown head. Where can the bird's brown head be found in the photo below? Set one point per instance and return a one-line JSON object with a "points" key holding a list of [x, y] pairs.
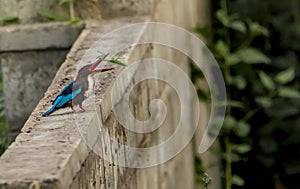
{"points": [[91, 68]]}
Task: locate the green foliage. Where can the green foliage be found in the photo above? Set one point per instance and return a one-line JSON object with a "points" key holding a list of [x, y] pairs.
{"points": [[75, 21], [252, 56], [3, 133], [51, 15], [231, 59], [114, 60], [8, 20], [258, 57], [3, 136], [285, 76], [266, 81], [202, 177], [276, 135], [237, 180]]}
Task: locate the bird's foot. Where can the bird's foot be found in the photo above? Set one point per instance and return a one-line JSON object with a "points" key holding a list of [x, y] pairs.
{"points": [[74, 111], [82, 109]]}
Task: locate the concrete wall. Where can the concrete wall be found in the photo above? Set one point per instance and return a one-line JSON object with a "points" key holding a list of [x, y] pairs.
{"points": [[26, 76], [51, 152]]}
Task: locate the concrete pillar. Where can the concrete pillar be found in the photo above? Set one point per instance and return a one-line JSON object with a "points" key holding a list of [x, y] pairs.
{"points": [[30, 56]]}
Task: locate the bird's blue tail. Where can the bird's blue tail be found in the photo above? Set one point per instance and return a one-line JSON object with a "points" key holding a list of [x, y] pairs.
{"points": [[48, 112]]}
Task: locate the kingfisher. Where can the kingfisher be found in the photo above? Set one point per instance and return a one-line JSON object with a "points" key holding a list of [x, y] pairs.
{"points": [[74, 93]]}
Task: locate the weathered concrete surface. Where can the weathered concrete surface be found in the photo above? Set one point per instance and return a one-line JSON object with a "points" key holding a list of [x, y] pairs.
{"points": [[26, 76], [116, 8], [30, 55]]}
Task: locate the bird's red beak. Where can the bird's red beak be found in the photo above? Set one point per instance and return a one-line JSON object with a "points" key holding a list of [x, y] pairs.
{"points": [[94, 65], [102, 70]]}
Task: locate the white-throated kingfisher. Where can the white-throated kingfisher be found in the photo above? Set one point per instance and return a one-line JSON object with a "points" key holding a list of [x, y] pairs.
{"points": [[74, 93]]}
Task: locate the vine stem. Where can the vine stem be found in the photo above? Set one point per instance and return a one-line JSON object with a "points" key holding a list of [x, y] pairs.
{"points": [[72, 12], [224, 7], [228, 163], [228, 171], [250, 114]]}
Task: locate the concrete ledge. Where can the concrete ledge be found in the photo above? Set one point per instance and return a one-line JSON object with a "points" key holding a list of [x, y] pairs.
{"points": [[52, 35]]}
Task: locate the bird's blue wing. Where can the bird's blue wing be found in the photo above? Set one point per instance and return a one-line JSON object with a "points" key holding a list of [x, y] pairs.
{"points": [[69, 92], [69, 88], [63, 99], [65, 91]]}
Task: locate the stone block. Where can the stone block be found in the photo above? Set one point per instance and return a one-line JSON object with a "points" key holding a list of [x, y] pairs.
{"points": [[42, 36]]}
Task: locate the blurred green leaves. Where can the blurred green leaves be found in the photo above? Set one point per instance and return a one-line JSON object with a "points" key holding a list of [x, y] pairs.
{"points": [[241, 128], [263, 101], [3, 133], [285, 76], [257, 29], [231, 21], [3, 137], [266, 81], [50, 15], [249, 83], [257, 46], [221, 48], [252, 56], [237, 180], [288, 92], [8, 20]]}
